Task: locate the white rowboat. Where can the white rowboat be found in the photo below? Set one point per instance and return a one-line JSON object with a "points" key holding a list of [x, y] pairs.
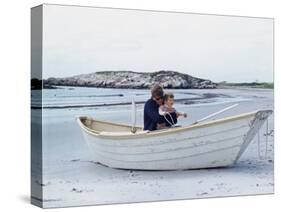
{"points": [[216, 143]]}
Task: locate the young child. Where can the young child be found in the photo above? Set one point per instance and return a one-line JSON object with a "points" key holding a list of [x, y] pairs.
{"points": [[167, 108]]}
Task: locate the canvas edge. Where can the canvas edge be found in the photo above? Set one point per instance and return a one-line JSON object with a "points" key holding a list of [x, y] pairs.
{"points": [[36, 160]]}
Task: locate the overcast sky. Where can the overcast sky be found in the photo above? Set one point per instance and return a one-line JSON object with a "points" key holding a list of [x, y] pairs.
{"points": [[79, 40]]}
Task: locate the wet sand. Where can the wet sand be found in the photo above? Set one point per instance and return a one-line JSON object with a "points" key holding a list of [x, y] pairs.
{"points": [[71, 178]]}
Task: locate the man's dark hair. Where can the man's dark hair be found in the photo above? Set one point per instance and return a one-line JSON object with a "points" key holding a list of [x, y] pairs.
{"points": [[157, 91]]}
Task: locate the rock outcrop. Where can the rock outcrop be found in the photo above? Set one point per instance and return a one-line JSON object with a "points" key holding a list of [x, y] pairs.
{"points": [[130, 79]]}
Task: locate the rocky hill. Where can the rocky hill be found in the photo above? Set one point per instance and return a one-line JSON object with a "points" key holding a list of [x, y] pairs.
{"points": [[130, 79]]}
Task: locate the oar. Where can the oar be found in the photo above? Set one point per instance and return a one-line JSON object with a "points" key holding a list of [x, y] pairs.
{"points": [[134, 116], [216, 113]]}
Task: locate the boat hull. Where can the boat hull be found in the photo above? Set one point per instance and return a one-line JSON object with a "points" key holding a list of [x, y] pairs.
{"points": [[213, 144]]}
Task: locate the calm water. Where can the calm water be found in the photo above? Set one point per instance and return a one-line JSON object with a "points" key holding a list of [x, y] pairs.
{"points": [[78, 97]]}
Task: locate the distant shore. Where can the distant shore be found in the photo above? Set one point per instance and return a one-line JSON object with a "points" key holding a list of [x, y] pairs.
{"points": [[266, 85], [140, 80]]}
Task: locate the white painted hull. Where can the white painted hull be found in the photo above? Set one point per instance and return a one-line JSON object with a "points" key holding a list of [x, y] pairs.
{"points": [[214, 144]]}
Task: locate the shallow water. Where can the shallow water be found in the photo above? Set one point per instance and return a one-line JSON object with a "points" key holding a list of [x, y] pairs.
{"points": [[78, 97]]}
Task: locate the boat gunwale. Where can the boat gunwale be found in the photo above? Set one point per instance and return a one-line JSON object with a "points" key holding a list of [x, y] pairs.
{"points": [[142, 134]]}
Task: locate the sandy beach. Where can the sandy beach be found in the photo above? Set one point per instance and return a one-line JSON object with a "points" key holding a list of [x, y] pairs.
{"points": [[71, 178]]}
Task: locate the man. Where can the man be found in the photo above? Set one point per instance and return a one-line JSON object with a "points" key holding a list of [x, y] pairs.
{"points": [[151, 110]]}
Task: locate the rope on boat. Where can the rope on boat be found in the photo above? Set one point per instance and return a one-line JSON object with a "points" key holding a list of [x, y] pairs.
{"points": [[173, 123], [266, 138], [266, 143], [259, 146]]}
